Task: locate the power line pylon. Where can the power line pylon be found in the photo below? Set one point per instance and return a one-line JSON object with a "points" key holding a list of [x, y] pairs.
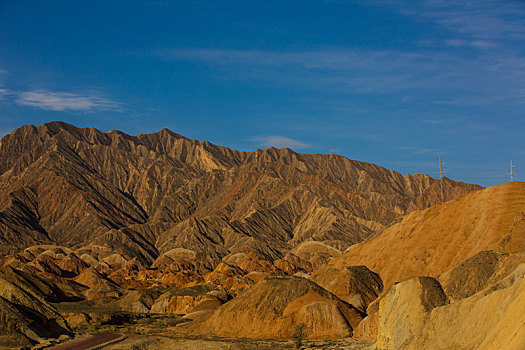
{"points": [[511, 171], [441, 173]]}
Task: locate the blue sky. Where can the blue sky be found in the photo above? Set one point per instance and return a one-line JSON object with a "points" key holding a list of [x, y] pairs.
{"points": [[396, 83]]}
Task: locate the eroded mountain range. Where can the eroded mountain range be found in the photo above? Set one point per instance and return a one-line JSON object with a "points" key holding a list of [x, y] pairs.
{"points": [[146, 195], [161, 235]]}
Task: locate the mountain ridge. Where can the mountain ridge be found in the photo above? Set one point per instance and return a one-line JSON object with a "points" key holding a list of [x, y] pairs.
{"points": [[145, 195]]}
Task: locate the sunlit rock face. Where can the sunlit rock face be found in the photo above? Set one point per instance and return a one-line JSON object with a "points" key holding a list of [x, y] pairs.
{"points": [[417, 315], [432, 241]]}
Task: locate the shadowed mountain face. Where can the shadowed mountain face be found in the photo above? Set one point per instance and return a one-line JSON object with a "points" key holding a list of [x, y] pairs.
{"points": [[146, 195]]}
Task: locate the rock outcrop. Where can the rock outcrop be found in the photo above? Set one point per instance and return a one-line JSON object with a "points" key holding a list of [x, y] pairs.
{"points": [[415, 316], [404, 311]]}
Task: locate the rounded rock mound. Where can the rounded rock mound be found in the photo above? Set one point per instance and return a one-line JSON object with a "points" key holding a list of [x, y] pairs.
{"points": [[275, 308]]}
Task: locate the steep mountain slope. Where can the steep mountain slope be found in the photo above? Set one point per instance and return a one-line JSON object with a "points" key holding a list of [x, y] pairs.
{"points": [[148, 194], [25, 317], [432, 241]]}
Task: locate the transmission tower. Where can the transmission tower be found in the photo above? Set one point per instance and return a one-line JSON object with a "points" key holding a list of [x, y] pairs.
{"points": [[441, 173], [511, 171]]}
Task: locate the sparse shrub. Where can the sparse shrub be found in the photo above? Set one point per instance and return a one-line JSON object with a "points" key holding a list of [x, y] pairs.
{"points": [[299, 335]]}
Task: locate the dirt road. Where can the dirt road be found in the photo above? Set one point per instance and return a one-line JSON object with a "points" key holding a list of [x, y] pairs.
{"points": [[88, 342]]}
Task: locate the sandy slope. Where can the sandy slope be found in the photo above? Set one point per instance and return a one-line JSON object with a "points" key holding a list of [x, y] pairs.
{"points": [[430, 242]]}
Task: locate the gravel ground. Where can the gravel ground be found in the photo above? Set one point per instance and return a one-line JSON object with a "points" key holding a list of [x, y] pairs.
{"points": [[141, 342]]}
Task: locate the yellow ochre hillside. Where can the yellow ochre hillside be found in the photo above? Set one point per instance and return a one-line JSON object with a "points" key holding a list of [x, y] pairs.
{"points": [[430, 242]]}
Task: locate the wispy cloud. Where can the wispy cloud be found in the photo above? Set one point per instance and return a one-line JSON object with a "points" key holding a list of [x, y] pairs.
{"points": [[475, 62], [358, 71], [61, 101], [482, 19], [351, 70], [279, 142], [423, 150], [314, 60], [482, 44], [435, 121]]}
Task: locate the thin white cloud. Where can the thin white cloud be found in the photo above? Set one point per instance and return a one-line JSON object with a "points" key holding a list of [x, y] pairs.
{"points": [[487, 19], [62, 101], [57, 101], [481, 44], [436, 121], [279, 142], [423, 150], [475, 62], [339, 60], [359, 71], [350, 70]]}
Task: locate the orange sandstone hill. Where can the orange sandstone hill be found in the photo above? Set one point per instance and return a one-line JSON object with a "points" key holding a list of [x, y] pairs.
{"points": [[453, 275], [164, 197], [430, 242], [273, 307]]}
